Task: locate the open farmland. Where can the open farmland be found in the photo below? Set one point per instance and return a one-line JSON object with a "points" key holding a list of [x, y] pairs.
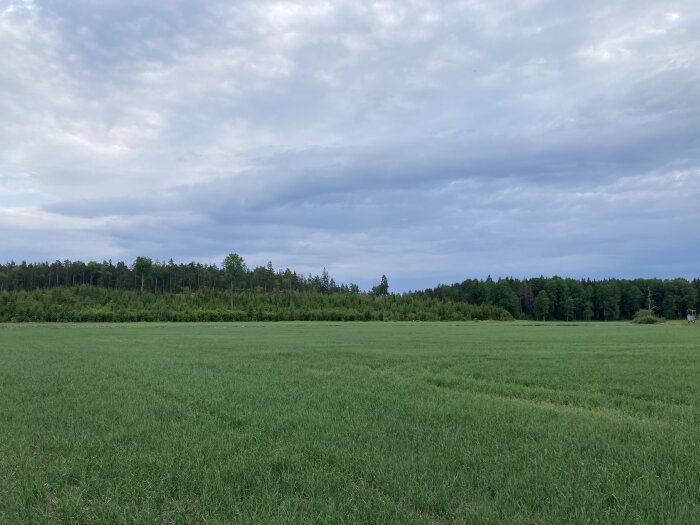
{"points": [[367, 422]]}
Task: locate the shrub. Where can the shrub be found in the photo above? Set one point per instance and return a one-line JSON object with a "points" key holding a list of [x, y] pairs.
{"points": [[647, 317]]}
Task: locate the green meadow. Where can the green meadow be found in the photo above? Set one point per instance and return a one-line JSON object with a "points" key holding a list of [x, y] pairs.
{"points": [[474, 422]]}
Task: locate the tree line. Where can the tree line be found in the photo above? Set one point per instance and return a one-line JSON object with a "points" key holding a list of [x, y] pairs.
{"points": [[147, 290], [83, 302], [66, 290], [562, 299], [144, 274]]}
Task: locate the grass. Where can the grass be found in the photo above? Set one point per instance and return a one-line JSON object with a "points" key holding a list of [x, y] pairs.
{"points": [[350, 423]]}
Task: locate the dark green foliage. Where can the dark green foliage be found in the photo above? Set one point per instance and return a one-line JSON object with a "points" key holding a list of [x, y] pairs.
{"points": [[142, 268], [235, 270], [506, 298], [542, 305], [382, 288], [159, 276], [89, 303], [568, 299], [572, 299]]}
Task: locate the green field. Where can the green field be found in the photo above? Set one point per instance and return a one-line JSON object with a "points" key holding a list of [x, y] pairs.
{"points": [[346, 423]]}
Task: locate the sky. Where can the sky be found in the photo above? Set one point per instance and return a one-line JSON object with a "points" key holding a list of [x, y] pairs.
{"points": [[430, 141]]}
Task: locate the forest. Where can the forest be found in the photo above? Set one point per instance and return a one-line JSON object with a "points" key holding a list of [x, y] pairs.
{"points": [[148, 290], [561, 299]]}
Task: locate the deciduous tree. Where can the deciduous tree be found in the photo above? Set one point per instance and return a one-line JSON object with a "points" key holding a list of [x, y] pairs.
{"points": [[235, 270], [142, 267]]}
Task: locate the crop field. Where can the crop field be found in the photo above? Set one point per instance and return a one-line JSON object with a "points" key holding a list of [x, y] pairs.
{"points": [[475, 422]]}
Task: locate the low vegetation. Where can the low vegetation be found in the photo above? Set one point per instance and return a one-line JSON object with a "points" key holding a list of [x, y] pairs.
{"points": [[91, 303], [647, 317], [349, 423]]}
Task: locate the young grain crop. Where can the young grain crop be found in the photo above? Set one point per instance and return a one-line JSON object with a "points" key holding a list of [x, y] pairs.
{"points": [[315, 422]]}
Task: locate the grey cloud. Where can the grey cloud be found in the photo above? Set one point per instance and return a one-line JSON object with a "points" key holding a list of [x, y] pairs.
{"points": [[427, 138]]}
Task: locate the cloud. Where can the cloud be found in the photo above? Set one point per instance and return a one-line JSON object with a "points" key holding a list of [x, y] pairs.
{"points": [[423, 139]]}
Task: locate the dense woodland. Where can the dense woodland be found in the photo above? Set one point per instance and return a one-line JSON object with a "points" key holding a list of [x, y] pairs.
{"points": [[149, 290], [556, 298]]}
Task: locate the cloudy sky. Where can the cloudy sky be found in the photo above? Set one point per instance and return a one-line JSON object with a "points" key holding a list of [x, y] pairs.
{"points": [[428, 140]]}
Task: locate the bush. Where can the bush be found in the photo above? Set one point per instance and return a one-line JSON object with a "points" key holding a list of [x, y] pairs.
{"points": [[647, 317]]}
